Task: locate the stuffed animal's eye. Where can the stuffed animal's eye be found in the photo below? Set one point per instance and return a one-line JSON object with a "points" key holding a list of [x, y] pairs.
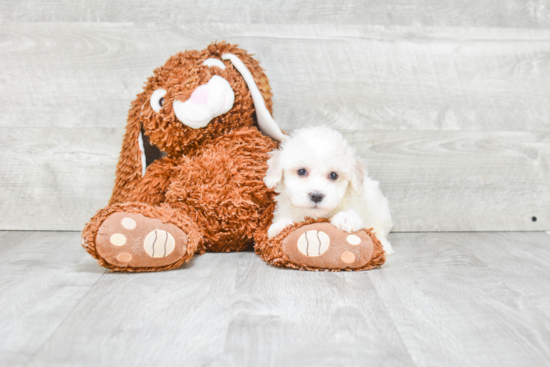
{"points": [[302, 172], [157, 99], [333, 175]]}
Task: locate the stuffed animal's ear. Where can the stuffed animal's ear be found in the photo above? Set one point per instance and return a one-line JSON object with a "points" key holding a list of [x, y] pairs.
{"points": [[131, 163], [274, 173], [358, 176], [266, 123]]}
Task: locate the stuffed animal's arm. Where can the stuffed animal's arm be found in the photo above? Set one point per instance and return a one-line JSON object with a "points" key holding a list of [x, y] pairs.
{"points": [[152, 187], [232, 167]]}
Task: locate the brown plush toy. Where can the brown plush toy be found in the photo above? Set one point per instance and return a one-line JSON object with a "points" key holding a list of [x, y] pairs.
{"points": [[190, 174], [315, 244]]}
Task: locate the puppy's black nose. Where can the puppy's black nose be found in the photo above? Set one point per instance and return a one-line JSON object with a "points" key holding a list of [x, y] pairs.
{"points": [[316, 197]]}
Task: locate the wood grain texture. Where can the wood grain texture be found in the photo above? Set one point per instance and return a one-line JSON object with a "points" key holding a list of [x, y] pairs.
{"points": [[447, 301], [43, 276], [510, 262], [457, 13], [460, 116], [232, 317], [461, 181], [401, 78], [435, 181], [459, 299], [56, 178]]}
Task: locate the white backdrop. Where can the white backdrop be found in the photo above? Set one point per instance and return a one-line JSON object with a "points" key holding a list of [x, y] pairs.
{"points": [[447, 101]]}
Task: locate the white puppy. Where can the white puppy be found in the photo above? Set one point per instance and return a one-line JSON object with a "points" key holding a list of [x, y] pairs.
{"points": [[316, 173]]}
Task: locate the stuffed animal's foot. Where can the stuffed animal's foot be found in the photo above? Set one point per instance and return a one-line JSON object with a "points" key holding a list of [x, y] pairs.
{"points": [[322, 246], [131, 240]]}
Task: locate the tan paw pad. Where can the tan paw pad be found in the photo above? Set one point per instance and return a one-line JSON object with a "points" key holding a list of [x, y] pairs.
{"points": [[159, 243], [323, 246], [134, 240], [348, 257], [124, 257], [118, 239], [313, 243], [353, 239], [128, 223]]}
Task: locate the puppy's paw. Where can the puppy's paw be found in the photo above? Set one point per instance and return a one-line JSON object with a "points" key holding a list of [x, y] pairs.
{"points": [[387, 246], [348, 221], [278, 227]]}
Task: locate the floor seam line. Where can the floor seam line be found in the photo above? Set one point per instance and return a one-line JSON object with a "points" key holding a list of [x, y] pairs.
{"points": [[65, 319], [392, 320]]}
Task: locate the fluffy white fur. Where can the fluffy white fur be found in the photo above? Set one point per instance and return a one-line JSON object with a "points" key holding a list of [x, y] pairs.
{"points": [[352, 201]]}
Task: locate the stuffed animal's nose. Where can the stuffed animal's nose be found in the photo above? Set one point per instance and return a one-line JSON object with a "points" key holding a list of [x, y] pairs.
{"points": [[316, 197], [208, 101]]}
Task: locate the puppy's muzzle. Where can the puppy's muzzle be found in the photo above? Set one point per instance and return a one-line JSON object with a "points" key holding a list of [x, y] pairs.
{"points": [[316, 197]]}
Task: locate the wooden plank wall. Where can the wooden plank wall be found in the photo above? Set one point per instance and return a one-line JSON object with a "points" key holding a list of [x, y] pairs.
{"points": [[448, 101]]}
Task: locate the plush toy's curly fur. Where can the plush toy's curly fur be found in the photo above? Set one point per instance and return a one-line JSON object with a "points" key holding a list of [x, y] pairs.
{"points": [[210, 183], [163, 212], [271, 250], [180, 76]]}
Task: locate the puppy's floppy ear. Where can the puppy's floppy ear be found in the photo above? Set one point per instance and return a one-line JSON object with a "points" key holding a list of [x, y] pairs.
{"points": [[358, 176], [274, 173]]}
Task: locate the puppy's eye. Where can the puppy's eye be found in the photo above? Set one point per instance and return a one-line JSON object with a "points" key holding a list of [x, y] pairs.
{"points": [[157, 99], [302, 172], [333, 175]]}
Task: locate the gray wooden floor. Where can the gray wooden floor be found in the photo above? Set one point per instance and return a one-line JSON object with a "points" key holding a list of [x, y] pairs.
{"points": [[444, 299]]}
